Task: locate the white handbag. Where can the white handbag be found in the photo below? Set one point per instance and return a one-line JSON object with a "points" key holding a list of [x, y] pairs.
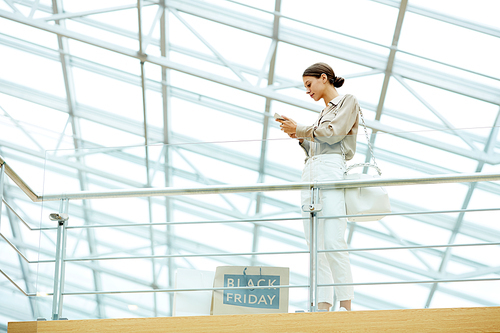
{"points": [[365, 200]]}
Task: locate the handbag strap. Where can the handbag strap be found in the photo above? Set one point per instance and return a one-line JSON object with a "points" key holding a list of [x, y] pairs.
{"points": [[357, 165]]}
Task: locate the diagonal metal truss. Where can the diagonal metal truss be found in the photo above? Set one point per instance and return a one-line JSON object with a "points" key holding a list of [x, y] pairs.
{"points": [[166, 241]]}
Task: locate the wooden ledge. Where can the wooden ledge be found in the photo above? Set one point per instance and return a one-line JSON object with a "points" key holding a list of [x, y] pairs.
{"points": [[481, 319]]}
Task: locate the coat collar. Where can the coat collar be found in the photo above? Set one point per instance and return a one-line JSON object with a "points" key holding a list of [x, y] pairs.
{"points": [[336, 100]]}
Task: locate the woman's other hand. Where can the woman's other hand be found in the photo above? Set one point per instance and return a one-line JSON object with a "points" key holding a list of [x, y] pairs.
{"points": [[294, 136]]}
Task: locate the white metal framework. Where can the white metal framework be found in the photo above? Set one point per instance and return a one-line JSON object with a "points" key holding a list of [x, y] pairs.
{"points": [[84, 86]]}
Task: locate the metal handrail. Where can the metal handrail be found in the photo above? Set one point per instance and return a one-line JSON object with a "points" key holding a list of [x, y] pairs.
{"points": [[19, 181], [218, 189]]}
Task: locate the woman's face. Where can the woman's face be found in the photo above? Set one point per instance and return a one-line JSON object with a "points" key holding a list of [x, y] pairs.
{"points": [[314, 86]]}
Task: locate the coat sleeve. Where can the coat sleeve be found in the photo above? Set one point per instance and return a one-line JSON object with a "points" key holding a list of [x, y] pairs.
{"points": [[332, 129]]}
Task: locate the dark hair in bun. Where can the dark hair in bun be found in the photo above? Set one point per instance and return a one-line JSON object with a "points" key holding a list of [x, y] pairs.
{"points": [[321, 68], [338, 81]]}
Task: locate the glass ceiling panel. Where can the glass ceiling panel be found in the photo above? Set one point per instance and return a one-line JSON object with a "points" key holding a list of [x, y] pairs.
{"points": [[439, 40], [461, 111], [484, 199], [31, 168], [80, 6], [216, 91], [185, 38], [32, 113], [433, 197], [405, 295], [107, 94], [405, 228], [4, 6], [403, 60], [300, 115], [125, 19], [484, 12], [60, 182], [210, 166], [107, 136], [296, 262], [32, 71], [292, 67], [110, 239], [444, 136], [366, 88], [225, 237], [154, 110], [215, 202], [153, 73], [485, 255], [403, 292], [102, 57], [199, 123], [491, 168], [246, 48], [431, 155], [401, 99], [244, 7], [100, 34], [29, 34], [33, 129], [9, 130], [334, 15], [285, 151], [204, 65], [440, 299], [45, 139]]}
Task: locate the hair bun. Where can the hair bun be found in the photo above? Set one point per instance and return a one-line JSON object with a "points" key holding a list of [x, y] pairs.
{"points": [[338, 82]]}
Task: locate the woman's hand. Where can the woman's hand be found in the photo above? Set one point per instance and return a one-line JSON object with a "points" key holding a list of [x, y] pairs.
{"points": [[289, 126]]}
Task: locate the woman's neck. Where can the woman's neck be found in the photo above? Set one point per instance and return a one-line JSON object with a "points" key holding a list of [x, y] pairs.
{"points": [[330, 94]]}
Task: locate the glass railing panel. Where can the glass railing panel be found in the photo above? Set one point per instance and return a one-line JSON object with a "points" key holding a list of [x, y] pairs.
{"points": [[131, 281], [204, 231]]}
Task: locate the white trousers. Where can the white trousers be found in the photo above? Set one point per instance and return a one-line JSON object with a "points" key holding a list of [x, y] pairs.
{"points": [[333, 267]]}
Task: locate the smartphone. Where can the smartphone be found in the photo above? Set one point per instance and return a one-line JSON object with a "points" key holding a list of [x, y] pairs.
{"points": [[278, 117]]}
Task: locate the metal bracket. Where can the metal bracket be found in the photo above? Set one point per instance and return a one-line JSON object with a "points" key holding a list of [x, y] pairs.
{"points": [[59, 217], [312, 208]]}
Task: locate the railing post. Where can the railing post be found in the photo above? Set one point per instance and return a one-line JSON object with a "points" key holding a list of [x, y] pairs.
{"points": [[313, 208], [2, 171], [59, 273]]}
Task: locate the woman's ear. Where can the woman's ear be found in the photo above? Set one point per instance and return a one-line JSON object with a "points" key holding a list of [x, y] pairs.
{"points": [[324, 78]]}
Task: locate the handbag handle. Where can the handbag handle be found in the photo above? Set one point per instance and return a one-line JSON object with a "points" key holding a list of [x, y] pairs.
{"points": [[368, 139], [357, 165]]}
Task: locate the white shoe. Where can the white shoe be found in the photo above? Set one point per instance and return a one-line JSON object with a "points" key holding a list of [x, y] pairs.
{"points": [[342, 309]]}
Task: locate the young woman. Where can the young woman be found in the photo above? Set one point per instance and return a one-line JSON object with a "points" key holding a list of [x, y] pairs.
{"points": [[332, 135]]}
